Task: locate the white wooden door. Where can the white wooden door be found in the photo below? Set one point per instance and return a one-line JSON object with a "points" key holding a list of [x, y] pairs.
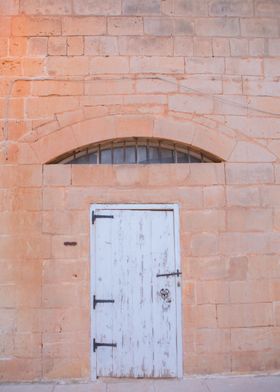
{"points": [[138, 321]]}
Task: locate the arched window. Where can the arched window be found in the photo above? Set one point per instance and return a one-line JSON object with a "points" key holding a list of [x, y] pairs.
{"points": [[136, 151]]}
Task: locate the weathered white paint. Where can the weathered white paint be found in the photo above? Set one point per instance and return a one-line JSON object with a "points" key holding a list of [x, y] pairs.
{"points": [[127, 253]]}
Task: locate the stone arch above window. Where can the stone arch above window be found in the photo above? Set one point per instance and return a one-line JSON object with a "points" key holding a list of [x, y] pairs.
{"points": [[215, 143], [136, 151]]}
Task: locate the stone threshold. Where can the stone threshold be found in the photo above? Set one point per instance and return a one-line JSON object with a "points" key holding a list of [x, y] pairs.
{"points": [[232, 383]]}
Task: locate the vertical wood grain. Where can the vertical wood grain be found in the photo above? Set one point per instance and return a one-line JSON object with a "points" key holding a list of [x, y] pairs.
{"points": [[103, 290], [139, 244]]}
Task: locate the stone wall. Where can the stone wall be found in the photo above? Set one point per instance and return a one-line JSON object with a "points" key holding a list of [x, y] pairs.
{"points": [[205, 73], [230, 243]]}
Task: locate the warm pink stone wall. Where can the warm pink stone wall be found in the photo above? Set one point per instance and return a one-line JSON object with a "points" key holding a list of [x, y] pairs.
{"points": [[206, 73], [230, 243]]}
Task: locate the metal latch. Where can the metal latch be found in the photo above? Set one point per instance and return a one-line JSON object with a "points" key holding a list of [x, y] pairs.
{"points": [[177, 273], [96, 345], [99, 301], [94, 217]]}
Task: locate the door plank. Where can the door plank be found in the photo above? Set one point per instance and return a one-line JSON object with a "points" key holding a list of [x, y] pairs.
{"points": [[103, 290], [142, 317], [165, 352]]}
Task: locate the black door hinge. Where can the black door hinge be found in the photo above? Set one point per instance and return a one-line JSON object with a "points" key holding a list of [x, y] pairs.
{"points": [[94, 217], [96, 345], [101, 301], [177, 273]]}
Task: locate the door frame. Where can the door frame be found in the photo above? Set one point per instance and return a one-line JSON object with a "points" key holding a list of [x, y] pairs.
{"points": [[176, 230]]}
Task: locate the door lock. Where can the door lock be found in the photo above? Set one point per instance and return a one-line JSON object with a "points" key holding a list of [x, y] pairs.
{"points": [[165, 295]]}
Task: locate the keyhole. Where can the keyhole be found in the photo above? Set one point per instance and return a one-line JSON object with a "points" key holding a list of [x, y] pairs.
{"points": [[164, 293]]}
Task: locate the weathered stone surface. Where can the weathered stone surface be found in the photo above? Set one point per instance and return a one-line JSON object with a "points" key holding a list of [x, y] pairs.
{"points": [[267, 7], [231, 8], [203, 73], [97, 7], [145, 7], [39, 7], [217, 27], [259, 27], [190, 7]]}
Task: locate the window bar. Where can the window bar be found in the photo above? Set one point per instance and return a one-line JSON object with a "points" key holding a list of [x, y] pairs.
{"points": [[113, 153], [124, 152], [136, 150], [148, 151], [189, 155], [98, 155], [175, 154], [159, 151]]}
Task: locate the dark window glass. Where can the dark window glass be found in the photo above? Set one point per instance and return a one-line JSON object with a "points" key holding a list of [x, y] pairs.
{"points": [[82, 160], [106, 156], [142, 154], [130, 155], [182, 157], [92, 157], [118, 153], [166, 156], [194, 159], [154, 155]]}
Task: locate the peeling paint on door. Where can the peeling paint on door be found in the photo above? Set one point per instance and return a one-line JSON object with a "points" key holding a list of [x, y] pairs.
{"points": [[140, 328]]}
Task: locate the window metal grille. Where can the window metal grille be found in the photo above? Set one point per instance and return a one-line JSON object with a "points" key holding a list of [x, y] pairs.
{"points": [[136, 151]]}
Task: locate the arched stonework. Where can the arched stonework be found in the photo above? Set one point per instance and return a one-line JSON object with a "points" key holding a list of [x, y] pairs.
{"points": [[200, 133], [96, 130]]}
